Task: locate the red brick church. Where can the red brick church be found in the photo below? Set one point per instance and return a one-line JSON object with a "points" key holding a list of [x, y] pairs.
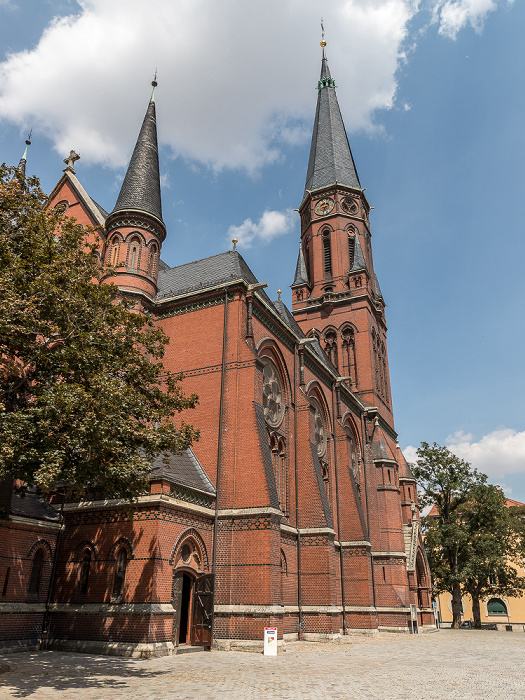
{"points": [[296, 509]]}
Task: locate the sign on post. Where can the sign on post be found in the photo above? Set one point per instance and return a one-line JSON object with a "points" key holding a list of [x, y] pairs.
{"points": [[270, 641], [413, 619]]}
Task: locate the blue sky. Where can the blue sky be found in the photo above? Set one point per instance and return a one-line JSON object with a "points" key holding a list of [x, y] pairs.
{"points": [[433, 97]]}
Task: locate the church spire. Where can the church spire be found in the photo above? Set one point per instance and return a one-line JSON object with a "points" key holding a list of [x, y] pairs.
{"points": [[141, 187], [23, 160], [331, 159]]}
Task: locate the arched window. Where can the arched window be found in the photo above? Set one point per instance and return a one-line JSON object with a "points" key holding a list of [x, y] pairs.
{"points": [[496, 606], [330, 346], [36, 572], [307, 260], [327, 254], [351, 452], [318, 427], [114, 252], [349, 356], [351, 249], [84, 572], [134, 254], [273, 394], [282, 480], [120, 572], [152, 262]]}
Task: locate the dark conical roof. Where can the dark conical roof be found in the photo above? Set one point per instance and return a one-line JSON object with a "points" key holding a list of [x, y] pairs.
{"points": [[301, 274], [359, 258], [330, 155], [141, 187], [23, 160]]}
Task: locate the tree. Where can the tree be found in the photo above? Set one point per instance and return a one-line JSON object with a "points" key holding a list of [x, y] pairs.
{"points": [[446, 482], [84, 397], [494, 543]]}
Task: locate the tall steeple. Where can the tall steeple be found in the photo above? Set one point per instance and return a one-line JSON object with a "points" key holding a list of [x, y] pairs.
{"points": [[140, 190], [331, 159], [23, 160], [335, 290], [135, 229]]}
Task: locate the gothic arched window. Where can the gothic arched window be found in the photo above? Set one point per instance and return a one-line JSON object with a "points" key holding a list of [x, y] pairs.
{"points": [[282, 478], [113, 252], [349, 355], [307, 260], [134, 253], [84, 572], [327, 254], [120, 572], [351, 452], [36, 571], [351, 248], [330, 346], [152, 262], [273, 394], [318, 427]]}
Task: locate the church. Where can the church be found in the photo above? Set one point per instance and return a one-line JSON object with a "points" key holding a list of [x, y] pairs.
{"points": [[296, 508]]}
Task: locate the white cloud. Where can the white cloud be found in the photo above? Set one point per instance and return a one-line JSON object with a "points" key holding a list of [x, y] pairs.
{"points": [[499, 453], [453, 15], [270, 225], [236, 79]]}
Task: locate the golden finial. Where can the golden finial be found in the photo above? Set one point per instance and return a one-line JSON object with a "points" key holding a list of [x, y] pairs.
{"points": [[234, 241], [279, 292], [323, 42]]}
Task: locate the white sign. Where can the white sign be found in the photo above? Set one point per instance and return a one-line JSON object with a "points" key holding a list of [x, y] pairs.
{"points": [[270, 641]]}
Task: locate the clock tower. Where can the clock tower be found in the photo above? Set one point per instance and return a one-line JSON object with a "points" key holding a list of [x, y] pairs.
{"points": [[335, 293]]}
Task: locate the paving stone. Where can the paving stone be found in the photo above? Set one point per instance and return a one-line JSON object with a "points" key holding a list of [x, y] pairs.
{"points": [[452, 664]]}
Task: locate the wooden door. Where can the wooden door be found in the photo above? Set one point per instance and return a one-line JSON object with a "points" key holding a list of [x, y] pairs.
{"points": [[202, 611], [176, 601]]}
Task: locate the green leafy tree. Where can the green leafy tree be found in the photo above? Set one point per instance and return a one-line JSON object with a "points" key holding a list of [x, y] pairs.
{"points": [[446, 482], [84, 397], [493, 549]]}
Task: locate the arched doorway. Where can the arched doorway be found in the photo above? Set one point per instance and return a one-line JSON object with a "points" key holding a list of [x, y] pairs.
{"points": [[192, 600], [191, 593]]}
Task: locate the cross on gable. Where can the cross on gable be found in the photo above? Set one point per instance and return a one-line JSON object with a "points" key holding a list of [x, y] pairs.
{"points": [[71, 160]]}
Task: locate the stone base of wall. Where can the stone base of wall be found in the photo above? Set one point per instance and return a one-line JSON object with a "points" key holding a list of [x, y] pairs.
{"points": [[11, 646], [134, 651], [251, 645]]}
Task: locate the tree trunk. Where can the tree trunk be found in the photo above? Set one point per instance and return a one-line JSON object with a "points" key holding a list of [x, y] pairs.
{"points": [[456, 606], [476, 613]]}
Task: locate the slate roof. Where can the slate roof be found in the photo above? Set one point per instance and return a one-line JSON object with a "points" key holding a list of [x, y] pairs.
{"points": [[32, 505], [141, 187], [380, 448], [359, 259], [184, 469], [330, 155], [301, 275], [203, 273]]}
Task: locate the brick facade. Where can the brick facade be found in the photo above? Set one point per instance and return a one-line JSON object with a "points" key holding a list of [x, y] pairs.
{"points": [[311, 522]]}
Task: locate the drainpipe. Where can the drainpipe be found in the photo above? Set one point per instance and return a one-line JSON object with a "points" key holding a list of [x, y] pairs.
{"points": [[47, 614], [219, 458], [336, 411], [363, 452], [299, 344]]}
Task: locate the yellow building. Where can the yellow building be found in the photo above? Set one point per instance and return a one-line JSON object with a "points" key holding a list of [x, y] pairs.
{"points": [[499, 610]]}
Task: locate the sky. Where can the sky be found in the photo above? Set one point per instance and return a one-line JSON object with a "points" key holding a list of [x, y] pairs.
{"points": [[433, 99]]}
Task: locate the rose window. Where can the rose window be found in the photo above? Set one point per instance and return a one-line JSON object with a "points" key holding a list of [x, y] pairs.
{"points": [[273, 401]]}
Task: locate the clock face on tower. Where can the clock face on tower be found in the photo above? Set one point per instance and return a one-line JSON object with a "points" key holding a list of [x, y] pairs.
{"points": [[324, 206]]}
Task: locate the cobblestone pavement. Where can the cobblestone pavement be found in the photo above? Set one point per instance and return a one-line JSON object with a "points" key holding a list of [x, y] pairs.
{"points": [[450, 664]]}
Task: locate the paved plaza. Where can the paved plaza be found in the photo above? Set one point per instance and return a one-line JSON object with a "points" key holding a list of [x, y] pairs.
{"points": [[449, 664]]}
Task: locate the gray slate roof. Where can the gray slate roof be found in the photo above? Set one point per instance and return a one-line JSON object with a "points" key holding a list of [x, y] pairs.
{"points": [[330, 155], [141, 187], [184, 469], [301, 275], [359, 259], [32, 505], [199, 274]]}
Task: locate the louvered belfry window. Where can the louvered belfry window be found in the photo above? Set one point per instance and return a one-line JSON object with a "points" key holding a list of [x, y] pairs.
{"points": [[351, 249], [327, 254]]}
